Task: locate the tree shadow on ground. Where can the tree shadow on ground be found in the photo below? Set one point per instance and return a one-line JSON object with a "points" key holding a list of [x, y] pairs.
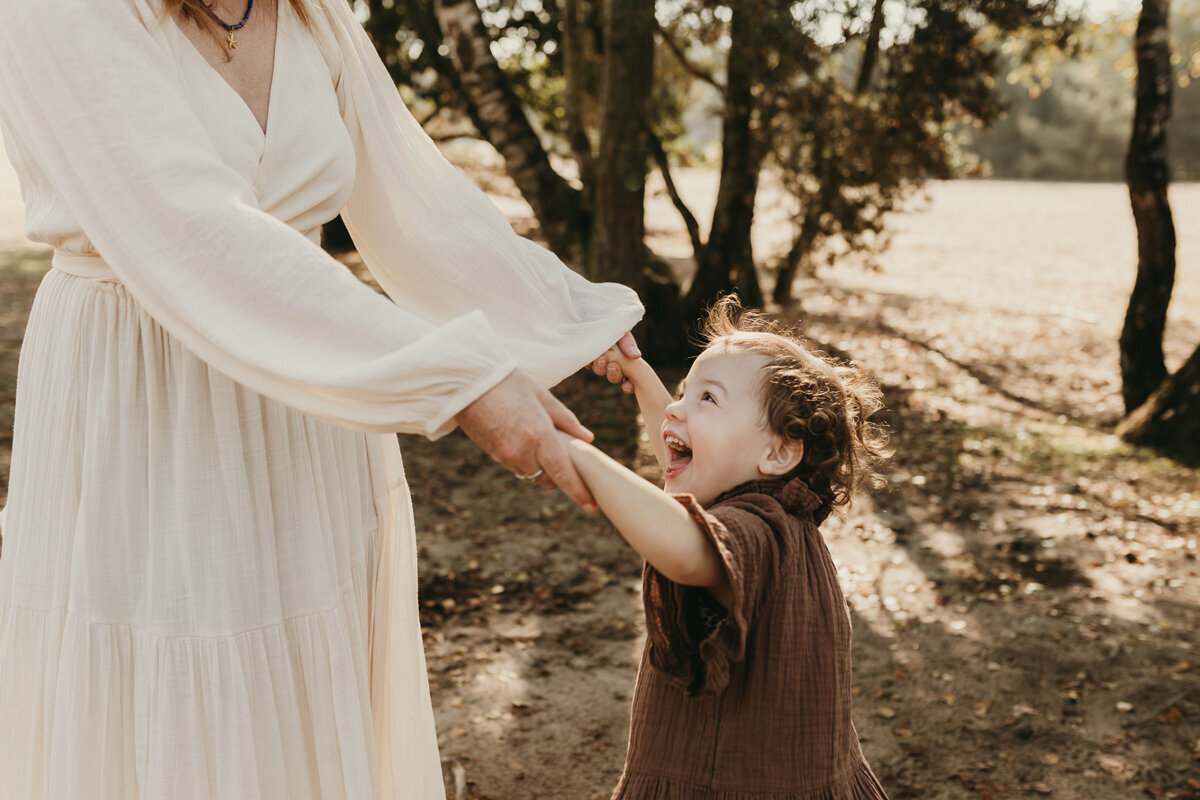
{"points": [[996, 627]]}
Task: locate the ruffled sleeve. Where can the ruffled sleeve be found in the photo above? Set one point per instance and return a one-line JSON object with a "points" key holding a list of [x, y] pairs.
{"points": [[697, 656], [440, 248], [90, 91]]}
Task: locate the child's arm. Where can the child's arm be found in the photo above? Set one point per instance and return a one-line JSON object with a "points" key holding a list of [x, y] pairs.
{"points": [[652, 397], [653, 523]]}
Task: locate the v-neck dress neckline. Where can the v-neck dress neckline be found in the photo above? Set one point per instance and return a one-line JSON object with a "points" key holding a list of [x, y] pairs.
{"points": [[264, 128]]}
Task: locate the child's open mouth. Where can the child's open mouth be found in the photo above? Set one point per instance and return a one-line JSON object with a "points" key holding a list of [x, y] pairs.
{"points": [[679, 455]]}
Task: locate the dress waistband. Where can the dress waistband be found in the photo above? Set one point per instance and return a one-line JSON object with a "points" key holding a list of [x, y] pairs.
{"points": [[93, 268]]}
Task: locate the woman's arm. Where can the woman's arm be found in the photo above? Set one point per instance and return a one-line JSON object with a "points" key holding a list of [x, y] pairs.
{"points": [[91, 93], [440, 247], [653, 523]]}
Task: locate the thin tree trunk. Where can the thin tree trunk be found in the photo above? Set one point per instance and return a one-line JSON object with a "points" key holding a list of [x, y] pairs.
{"points": [[502, 121], [727, 260], [574, 58], [810, 227], [619, 231], [806, 237], [1147, 175], [802, 245], [689, 219], [870, 50], [1169, 420]]}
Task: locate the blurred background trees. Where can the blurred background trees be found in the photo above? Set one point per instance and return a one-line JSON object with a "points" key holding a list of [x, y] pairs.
{"points": [[1070, 118], [849, 104]]}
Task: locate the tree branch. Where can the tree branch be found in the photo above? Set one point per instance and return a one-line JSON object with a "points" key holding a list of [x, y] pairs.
{"points": [[693, 70], [689, 219]]}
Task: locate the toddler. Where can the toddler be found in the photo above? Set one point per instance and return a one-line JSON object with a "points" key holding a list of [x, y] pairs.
{"points": [[744, 686]]}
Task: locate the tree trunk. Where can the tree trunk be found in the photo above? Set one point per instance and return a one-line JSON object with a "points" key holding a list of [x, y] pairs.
{"points": [[619, 226], [502, 121], [1146, 173], [806, 238], [802, 245], [727, 260], [870, 50], [810, 226], [574, 60], [1169, 420]]}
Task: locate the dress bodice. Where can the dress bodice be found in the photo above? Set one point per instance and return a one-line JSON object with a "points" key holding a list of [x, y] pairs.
{"points": [[300, 169], [131, 147]]}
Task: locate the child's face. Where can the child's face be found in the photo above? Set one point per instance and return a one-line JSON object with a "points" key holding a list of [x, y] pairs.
{"points": [[715, 433]]}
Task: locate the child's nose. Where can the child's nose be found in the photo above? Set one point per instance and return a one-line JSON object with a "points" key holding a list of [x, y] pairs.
{"points": [[675, 410]]}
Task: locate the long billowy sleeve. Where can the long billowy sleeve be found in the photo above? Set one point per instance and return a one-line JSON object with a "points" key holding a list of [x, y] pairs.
{"points": [[439, 247], [89, 90]]}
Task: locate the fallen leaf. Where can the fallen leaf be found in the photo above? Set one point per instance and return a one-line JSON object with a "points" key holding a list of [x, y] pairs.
{"points": [[457, 733], [1124, 707], [1049, 758], [1110, 764], [1171, 716], [885, 712]]}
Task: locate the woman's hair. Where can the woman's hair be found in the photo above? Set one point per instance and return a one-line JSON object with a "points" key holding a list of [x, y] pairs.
{"points": [[810, 398], [197, 12]]}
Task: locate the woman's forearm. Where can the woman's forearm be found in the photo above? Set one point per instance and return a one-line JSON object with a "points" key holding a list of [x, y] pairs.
{"points": [[653, 523]]}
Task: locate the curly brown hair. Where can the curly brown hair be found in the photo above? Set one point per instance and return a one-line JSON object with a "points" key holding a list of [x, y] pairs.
{"points": [[811, 398]]}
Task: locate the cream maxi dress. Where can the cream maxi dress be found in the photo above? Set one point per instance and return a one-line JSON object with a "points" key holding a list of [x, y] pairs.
{"points": [[208, 579]]}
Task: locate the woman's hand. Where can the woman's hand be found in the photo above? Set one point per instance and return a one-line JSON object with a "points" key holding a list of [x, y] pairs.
{"points": [[515, 422], [608, 367]]}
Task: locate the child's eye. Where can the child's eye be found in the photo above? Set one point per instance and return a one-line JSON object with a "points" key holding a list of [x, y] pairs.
{"points": [[708, 397]]}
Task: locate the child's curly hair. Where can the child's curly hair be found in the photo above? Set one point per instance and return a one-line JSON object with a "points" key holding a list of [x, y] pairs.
{"points": [[810, 398]]}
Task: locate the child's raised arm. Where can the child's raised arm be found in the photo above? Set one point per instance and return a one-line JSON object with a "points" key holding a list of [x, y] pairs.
{"points": [[655, 524], [652, 397]]}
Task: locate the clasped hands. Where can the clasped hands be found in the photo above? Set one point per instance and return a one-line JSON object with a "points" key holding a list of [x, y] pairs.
{"points": [[515, 421]]}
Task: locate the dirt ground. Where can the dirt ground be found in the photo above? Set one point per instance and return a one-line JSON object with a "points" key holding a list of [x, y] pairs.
{"points": [[1024, 593]]}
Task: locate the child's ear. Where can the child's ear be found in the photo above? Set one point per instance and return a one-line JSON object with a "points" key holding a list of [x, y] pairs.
{"points": [[782, 457]]}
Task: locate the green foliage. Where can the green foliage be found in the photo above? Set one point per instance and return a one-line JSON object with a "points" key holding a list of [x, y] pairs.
{"points": [[1069, 118], [847, 145], [851, 144]]}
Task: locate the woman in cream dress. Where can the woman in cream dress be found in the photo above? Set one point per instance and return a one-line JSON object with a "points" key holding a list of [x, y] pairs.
{"points": [[208, 580]]}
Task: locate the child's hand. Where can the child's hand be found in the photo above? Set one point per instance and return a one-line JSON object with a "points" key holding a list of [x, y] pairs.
{"points": [[623, 364], [618, 362]]}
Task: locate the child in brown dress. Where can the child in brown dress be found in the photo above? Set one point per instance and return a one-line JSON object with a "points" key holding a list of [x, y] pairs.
{"points": [[744, 687]]}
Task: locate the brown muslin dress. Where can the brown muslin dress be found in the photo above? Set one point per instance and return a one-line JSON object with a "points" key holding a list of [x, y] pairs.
{"points": [[752, 703]]}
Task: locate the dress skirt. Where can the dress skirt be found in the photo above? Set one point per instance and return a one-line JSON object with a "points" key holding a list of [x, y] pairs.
{"points": [[204, 594]]}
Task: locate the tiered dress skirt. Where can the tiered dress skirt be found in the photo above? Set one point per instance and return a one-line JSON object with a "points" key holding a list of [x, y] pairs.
{"points": [[188, 579]]}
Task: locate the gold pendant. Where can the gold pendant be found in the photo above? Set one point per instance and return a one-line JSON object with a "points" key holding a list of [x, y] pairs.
{"points": [[231, 41]]}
